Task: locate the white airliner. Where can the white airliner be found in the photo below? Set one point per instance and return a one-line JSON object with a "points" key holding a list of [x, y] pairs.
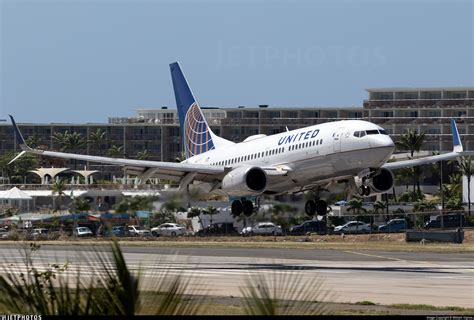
{"points": [[351, 153]]}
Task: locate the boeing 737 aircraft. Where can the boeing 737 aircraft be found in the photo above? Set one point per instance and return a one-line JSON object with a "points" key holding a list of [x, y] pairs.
{"points": [[350, 153]]}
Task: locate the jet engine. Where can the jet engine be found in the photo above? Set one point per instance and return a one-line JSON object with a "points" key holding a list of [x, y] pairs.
{"points": [[379, 183], [244, 181], [382, 182]]}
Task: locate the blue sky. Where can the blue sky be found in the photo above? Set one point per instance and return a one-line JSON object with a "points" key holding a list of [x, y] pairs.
{"points": [[83, 61]]}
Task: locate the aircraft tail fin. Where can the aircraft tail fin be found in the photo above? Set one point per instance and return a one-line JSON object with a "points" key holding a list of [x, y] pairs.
{"points": [[457, 146], [197, 135]]}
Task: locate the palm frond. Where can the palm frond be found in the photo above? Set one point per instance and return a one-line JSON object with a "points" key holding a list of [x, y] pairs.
{"points": [[284, 293]]}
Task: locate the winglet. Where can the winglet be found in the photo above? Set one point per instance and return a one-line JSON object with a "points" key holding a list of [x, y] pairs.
{"points": [[18, 135], [457, 146]]}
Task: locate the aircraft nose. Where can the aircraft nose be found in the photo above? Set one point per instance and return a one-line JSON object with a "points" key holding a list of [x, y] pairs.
{"points": [[381, 140]]}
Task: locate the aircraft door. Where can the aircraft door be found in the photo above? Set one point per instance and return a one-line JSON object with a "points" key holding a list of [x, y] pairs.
{"points": [[266, 155], [338, 136]]}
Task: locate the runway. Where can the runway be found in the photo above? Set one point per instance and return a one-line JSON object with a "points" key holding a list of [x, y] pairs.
{"points": [[440, 279]]}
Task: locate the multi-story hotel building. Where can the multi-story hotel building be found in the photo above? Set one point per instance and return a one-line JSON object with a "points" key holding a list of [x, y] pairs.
{"points": [[157, 130]]}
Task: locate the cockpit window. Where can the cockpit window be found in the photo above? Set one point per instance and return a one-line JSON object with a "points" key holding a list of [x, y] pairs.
{"points": [[372, 132], [360, 134]]}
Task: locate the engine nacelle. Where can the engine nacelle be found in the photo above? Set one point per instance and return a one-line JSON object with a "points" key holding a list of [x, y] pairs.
{"points": [[244, 181], [382, 182]]}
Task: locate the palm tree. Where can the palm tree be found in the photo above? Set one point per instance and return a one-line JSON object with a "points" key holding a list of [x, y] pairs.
{"points": [[454, 205], [454, 188], [58, 188], [180, 157], [115, 151], [81, 204], [379, 206], [97, 139], [195, 212], [143, 155], [33, 141], [69, 142], [412, 141], [356, 206], [467, 169], [75, 141], [423, 205], [61, 139], [210, 210]]}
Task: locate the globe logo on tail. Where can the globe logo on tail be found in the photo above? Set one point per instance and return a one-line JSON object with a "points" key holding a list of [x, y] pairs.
{"points": [[196, 132]]}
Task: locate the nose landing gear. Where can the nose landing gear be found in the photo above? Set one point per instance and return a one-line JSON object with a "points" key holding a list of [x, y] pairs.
{"points": [[364, 190]]}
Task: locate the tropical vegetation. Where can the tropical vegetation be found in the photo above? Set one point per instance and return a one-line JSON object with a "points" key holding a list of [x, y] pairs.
{"points": [[412, 142]]}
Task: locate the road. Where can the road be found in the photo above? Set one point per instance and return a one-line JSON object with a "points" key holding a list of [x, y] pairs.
{"points": [[440, 279]]}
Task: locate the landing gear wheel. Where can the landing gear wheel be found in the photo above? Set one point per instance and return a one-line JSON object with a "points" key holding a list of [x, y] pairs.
{"points": [[247, 207], [367, 191], [310, 207], [236, 208], [321, 207], [364, 190]]}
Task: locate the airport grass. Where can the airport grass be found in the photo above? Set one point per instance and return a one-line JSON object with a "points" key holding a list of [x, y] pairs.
{"points": [[266, 243], [407, 306], [213, 305]]}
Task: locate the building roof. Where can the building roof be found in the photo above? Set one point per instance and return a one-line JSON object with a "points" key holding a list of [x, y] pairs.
{"points": [[416, 89], [14, 194], [48, 193]]}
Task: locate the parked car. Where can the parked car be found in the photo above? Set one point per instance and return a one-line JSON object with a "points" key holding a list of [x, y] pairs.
{"points": [[39, 233], [138, 231], [226, 228], [262, 228], [318, 226], [449, 221], [353, 227], [83, 232], [4, 233], [394, 225], [116, 231], [168, 229]]}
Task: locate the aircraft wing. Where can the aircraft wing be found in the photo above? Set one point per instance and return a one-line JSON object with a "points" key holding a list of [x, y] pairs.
{"points": [[164, 170], [456, 153]]}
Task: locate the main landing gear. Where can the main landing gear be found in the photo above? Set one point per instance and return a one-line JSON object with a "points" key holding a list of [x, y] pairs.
{"points": [[242, 206], [318, 206]]}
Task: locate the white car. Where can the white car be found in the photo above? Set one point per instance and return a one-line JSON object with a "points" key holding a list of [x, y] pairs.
{"points": [[262, 228], [353, 227], [4, 233], [168, 229], [39, 233], [83, 232], [138, 231]]}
